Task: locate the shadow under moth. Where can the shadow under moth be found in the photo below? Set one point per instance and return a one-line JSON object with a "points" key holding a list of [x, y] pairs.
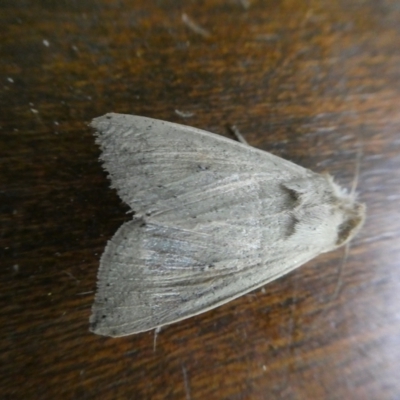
{"points": [[213, 220]]}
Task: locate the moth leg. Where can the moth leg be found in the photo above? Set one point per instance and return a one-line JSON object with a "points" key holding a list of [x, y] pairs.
{"points": [[239, 137]]}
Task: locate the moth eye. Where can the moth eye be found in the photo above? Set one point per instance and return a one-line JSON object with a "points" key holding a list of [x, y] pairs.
{"points": [[350, 226], [344, 231]]}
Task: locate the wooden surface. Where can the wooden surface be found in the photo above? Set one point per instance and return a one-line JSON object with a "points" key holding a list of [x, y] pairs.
{"points": [[315, 82]]}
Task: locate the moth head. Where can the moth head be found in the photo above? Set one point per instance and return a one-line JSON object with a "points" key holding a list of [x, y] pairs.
{"points": [[351, 214], [325, 214]]}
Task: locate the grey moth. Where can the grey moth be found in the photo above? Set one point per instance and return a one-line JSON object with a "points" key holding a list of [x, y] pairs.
{"points": [[213, 220]]}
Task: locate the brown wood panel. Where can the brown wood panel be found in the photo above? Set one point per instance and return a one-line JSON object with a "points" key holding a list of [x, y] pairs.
{"points": [[316, 82]]}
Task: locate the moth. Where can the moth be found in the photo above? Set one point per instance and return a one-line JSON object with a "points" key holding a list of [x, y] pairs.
{"points": [[213, 220]]}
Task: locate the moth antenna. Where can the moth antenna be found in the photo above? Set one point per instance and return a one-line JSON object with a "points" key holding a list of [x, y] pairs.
{"points": [[356, 171], [354, 185], [339, 279]]}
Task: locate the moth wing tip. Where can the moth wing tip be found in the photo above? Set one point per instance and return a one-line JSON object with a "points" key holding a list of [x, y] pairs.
{"points": [[98, 327], [97, 122]]}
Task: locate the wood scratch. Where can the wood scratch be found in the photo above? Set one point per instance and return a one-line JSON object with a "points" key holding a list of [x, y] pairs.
{"points": [[186, 382], [71, 276], [245, 4], [194, 27], [184, 114]]}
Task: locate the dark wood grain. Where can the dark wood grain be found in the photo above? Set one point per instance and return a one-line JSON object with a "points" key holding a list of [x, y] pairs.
{"points": [[316, 82]]}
